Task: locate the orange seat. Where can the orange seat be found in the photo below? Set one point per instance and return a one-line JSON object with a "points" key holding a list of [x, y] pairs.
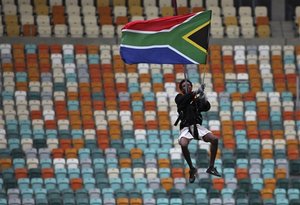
{"points": [[266, 193], [50, 124], [136, 153], [278, 134], [265, 134], [229, 143], [167, 183], [164, 163], [270, 183], [47, 173], [121, 20], [65, 143], [103, 143], [78, 143], [76, 183], [218, 183], [58, 153], [177, 172], [125, 162], [122, 201], [242, 173], [158, 87], [135, 201], [71, 153], [281, 173], [293, 154], [267, 153], [21, 173]]}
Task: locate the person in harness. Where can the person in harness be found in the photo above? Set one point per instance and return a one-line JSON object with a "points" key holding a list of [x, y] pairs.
{"points": [[190, 104]]}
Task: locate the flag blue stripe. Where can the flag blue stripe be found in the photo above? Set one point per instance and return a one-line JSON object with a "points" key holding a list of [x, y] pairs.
{"points": [[152, 55]]}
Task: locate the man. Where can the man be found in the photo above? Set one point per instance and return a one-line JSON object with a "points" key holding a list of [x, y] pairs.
{"points": [[190, 104]]}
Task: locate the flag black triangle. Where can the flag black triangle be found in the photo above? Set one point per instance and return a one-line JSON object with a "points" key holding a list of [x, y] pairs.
{"points": [[200, 37]]}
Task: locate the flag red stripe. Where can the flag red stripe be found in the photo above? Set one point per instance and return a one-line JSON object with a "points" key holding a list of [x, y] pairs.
{"points": [[158, 23]]}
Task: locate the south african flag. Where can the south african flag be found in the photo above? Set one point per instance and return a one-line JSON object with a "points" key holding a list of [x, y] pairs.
{"points": [[168, 40]]}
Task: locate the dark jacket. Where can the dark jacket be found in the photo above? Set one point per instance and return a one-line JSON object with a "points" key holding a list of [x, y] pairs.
{"points": [[191, 109]]}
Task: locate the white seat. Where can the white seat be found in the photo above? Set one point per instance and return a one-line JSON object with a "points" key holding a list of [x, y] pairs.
{"points": [[71, 2], [245, 11], [119, 11], [72, 163], [25, 9], [196, 3], [9, 9], [87, 3], [73, 10], [108, 31], [212, 3], [149, 3], [27, 19], [260, 11], [88, 10], [165, 3], [59, 163], [226, 3], [60, 30]]}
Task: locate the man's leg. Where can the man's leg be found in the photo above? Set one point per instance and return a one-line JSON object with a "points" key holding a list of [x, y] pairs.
{"points": [[184, 142], [213, 152]]}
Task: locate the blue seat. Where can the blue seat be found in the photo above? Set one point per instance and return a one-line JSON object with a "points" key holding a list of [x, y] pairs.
{"points": [[63, 183], [50, 183], [137, 105], [163, 153], [227, 193], [240, 134], [225, 105], [83, 153], [60, 173], [95, 201], [150, 153], [128, 183], [27, 193], [40, 193], [164, 172], [87, 172], [89, 183], [3, 201], [99, 163], [257, 183], [154, 143], [250, 106], [242, 163], [37, 183], [107, 193], [268, 173], [293, 193], [149, 96], [166, 143], [242, 143], [141, 183], [19, 163], [147, 193], [175, 201], [115, 183], [125, 172], [279, 193], [112, 163], [141, 143], [129, 143], [162, 201], [45, 163]]}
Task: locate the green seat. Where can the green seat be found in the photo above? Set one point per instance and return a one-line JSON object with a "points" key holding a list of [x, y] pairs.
{"points": [[174, 193], [160, 193], [97, 153], [123, 153], [205, 183], [135, 193], [295, 167], [202, 201], [269, 202], [282, 183], [229, 163], [240, 194], [69, 201], [241, 153], [43, 201], [117, 144], [294, 202], [242, 201], [213, 193], [295, 183], [255, 202], [121, 193]]}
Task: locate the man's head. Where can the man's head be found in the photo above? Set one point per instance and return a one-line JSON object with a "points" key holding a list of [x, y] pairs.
{"points": [[186, 83]]}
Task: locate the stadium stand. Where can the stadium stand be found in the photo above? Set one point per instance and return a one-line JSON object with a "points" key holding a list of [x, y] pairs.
{"points": [[79, 126]]}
